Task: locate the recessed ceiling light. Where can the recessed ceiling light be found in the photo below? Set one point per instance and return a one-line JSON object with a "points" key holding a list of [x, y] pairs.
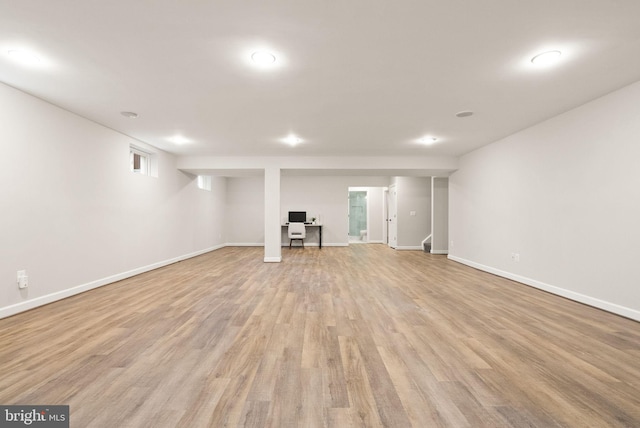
{"points": [[427, 140], [24, 57], [263, 58], [465, 113], [292, 140], [546, 58], [179, 139], [129, 114]]}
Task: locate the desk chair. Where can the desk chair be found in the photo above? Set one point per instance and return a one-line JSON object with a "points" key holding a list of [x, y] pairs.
{"points": [[297, 231]]}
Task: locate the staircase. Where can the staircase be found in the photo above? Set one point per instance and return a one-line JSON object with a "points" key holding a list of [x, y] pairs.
{"points": [[426, 244]]}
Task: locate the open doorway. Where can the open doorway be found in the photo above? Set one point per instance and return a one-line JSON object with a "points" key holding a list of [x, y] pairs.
{"points": [[358, 229], [367, 215]]}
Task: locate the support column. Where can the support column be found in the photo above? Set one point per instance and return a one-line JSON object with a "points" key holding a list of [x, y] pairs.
{"points": [[439, 215], [272, 226]]}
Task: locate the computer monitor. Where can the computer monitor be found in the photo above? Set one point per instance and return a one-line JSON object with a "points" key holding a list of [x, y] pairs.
{"points": [[297, 216]]}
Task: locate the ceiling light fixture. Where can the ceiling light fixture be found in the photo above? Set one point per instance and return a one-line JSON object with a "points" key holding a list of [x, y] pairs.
{"points": [[427, 140], [292, 140], [129, 114], [179, 139], [546, 58], [24, 57], [263, 58], [465, 113]]}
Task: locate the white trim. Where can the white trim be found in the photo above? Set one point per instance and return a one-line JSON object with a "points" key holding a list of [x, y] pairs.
{"points": [[59, 295], [315, 244], [272, 259], [286, 244], [572, 295], [375, 242], [424, 241], [412, 247], [439, 252], [244, 244]]}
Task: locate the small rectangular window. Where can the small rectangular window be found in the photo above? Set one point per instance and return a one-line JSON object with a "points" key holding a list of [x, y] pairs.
{"points": [[139, 161], [204, 182]]}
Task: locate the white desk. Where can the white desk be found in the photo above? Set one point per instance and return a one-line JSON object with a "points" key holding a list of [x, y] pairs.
{"points": [[318, 225]]}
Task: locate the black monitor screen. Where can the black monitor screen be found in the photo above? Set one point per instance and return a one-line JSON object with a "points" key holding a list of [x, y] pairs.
{"points": [[297, 216]]}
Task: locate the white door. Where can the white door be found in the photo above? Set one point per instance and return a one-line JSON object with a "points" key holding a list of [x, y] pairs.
{"points": [[385, 215], [393, 216]]}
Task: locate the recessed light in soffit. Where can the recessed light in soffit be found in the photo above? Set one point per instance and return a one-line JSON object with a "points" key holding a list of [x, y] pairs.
{"points": [[129, 114], [465, 113]]}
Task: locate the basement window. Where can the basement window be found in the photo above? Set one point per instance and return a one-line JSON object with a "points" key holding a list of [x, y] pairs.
{"points": [[139, 160], [204, 182]]}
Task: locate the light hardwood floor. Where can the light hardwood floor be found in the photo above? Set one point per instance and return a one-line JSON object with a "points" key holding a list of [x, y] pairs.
{"points": [[339, 337]]}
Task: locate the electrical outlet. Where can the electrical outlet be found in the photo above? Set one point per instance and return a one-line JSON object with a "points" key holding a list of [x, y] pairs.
{"points": [[22, 279]]}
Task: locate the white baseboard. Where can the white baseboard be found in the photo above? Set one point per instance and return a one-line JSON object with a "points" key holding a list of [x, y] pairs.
{"points": [[315, 244], [272, 259], [244, 244], [412, 247], [297, 244], [572, 295], [59, 295], [284, 244], [439, 251]]}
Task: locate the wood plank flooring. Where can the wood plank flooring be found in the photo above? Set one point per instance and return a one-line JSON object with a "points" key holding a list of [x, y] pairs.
{"points": [[359, 336]]}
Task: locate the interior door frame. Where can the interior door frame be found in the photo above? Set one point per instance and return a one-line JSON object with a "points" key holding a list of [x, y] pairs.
{"points": [[392, 219], [367, 208]]}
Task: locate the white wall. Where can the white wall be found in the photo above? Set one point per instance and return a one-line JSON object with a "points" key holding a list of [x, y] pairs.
{"points": [[439, 215], [565, 196], [325, 197], [375, 213], [75, 217], [414, 195], [245, 211]]}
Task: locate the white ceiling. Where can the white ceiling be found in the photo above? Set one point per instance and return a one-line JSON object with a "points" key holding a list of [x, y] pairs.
{"points": [[351, 77]]}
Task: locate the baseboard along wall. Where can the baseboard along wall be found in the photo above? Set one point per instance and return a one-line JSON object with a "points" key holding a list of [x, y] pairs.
{"points": [[572, 295]]}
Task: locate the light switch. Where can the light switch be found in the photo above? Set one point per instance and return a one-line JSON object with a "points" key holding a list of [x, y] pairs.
{"points": [[23, 279]]}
